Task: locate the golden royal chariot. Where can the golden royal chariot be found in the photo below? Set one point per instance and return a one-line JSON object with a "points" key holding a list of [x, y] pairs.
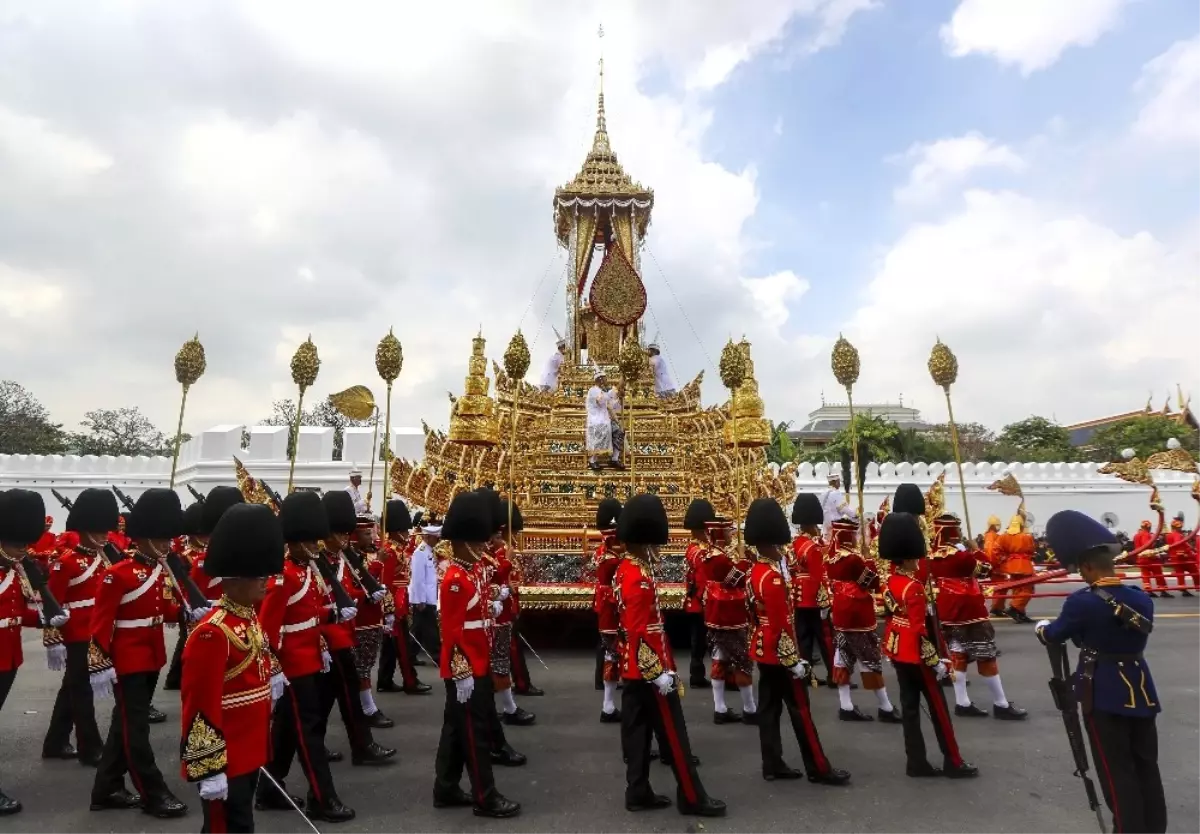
{"points": [[675, 447]]}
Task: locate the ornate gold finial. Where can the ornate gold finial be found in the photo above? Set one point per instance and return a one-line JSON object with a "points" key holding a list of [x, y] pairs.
{"points": [[516, 357], [305, 365], [845, 362], [732, 365], [943, 365], [389, 357], [190, 363], [632, 362]]}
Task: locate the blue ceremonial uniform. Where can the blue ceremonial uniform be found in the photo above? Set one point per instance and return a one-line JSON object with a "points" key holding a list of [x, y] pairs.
{"points": [[1122, 683]]}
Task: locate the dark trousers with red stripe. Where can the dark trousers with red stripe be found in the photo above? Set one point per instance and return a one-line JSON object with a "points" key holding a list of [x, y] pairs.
{"points": [[234, 814], [398, 650], [645, 712], [73, 707], [810, 635], [520, 665], [465, 742], [698, 643], [299, 731], [918, 681], [127, 749], [340, 685], [777, 688], [1125, 752]]}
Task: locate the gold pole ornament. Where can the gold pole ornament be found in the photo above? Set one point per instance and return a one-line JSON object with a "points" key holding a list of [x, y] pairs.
{"points": [[358, 403], [632, 363], [846, 366], [943, 367], [189, 367], [516, 364], [305, 365], [389, 359], [732, 367]]}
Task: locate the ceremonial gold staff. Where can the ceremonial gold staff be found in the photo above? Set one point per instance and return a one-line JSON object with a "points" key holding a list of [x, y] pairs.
{"points": [[516, 364], [733, 372], [943, 367], [633, 368], [846, 366], [305, 364], [389, 359], [358, 403], [189, 367]]}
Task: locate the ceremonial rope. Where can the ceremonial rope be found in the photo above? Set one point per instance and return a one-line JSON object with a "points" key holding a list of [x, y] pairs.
{"points": [[680, 306], [545, 313], [538, 288]]}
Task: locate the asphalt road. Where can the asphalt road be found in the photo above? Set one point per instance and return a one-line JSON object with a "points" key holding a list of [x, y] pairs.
{"points": [[575, 782]]}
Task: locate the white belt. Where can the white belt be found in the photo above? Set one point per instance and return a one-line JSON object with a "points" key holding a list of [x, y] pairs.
{"points": [[10, 622], [144, 622], [291, 628], [81, 603], [475, 624]]}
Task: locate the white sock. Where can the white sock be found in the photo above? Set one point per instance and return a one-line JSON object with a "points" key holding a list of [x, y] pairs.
{"points": [[507, 702], [718, 691], [610, 691], [885, 703], [748, 702], [844, 697], [960, 689], [997, 689], [368, 701]]}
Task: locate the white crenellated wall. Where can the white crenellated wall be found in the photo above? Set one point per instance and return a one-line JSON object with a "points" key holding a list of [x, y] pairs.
{"points": [[207, 461]]}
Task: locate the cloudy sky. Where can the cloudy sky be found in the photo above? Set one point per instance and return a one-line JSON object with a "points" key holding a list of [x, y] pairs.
{"points": [[1018, 177]]}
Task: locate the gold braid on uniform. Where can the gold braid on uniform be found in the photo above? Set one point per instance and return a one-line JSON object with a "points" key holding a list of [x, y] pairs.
{"points": [[98, 659], [649, 663], [786, 649], [929, 654], [460, 667], [202, 750]]}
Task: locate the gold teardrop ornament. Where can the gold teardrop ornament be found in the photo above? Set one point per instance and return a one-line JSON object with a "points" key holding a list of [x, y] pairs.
{"points": [[618, 295]]}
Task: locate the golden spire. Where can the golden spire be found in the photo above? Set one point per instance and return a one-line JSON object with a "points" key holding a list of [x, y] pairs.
{"points": [[600, 142]]}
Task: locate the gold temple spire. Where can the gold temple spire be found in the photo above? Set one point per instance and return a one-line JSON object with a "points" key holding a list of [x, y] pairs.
{"points": [[600, 142]]}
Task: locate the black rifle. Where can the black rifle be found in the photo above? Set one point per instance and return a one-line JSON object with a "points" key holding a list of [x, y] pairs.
{"points": [[341, 597], [197, 495], [193, 596], [37, 581], [125, 500], [1065, 702], [113, 553], [362, 576], [66, 502], [272, 494]]}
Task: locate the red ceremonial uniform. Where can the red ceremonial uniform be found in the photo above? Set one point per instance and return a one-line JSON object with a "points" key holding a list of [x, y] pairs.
{"points": [[464, 609], [44, 550], [370, 614], [121, 541], [647, 654], [806, 566], [340, 635], [905, 637], [724, 589], [74, 581], [397, 572], [296, 605], [226, 695], [502, 577], [960, 599], [773, 640], [692, 590], [852, 580], [127, 622], [17, 610], [604, 601], [210, 586]]}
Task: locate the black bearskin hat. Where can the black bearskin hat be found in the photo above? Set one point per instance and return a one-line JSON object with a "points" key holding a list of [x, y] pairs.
{"points": [[339, 507], [643, 521], [192, 519], [247, 542], [303, 517], [698, 513], [469, 518], [495, 507], [900, 538], [418, 519], [94, 511], [398, 519], [766, 523], [909, 499], [607, 514], [1073, 536], [157, 514], [219, 499], [807, 512], [518, 522], [22, 517]]}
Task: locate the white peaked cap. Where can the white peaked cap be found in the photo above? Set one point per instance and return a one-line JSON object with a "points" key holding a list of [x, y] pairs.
{"points": [[654, 344], [432, 530], [559, 337], [355, 472], [597, 371]]}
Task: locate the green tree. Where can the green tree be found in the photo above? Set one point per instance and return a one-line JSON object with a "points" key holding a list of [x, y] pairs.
{"points": [[1145, 434], [119, 431], [321, 414], [1034, 440], [881, 436], [976, 442], [781, 450], [922, 447], [25, 427]]}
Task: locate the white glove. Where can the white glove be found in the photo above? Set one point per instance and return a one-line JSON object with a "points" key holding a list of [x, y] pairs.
{"points": [[497, 607], [801, 670], [214, 787], [1041, 624], [825, 613], [326, 662], [942, 669], [278, 682], [348, 613], [56, 657], [610, 657], [389, 621], [465, 687], [718, 655], [665, 683], [195, 614], [378, 595], [60, 620], [505, 592], [102, 684]]}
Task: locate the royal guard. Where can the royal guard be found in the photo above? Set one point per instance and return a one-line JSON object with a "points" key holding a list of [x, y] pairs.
{"points": [[722, 576], [1149, 555], [231, 678], [75, 582], [466, 666], [504, 579], [376, 618], [956, 567], [853, 582], [396, 555], [910, 500], [1182, 557], [698, 513], [45, 549], [806, 569], [908, 644], [1018, 546], [22, 519], [297, 604], [127, 654], [1111, 623], [604, 603], [651, 695], [783, 674], [118, 537], [522, 684], [341, 684]]}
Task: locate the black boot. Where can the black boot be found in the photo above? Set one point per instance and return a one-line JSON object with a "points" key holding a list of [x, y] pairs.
{"points": [[373, 754], [1166, 594], [854, 714], [519, 718], [969, 711], [65, 751], [332, 810], [332, 756], [497, 807], [8, 805], [966, 770], [783, 772], [1012, 712], [729, 716], [1184, 592], [270, 799], [530, 691], [613, 717], [418, 688], [453, 798], [923, 771], [706, 806], [833, 777], [156, 716], [506, 756], [650, 802], [165, 807], [892, 717], [118, 800], [378, 721], [388, 686]]}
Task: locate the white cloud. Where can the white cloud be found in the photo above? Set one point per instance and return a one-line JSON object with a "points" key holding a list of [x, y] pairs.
{"points": [[940, 165], [24, 294], [774, 294], [1172, 84], [1031, 34], [35, 148], [1042, 306]]}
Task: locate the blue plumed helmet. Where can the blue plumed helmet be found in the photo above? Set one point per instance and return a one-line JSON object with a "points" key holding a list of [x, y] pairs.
{"points": [[1071, 534]]}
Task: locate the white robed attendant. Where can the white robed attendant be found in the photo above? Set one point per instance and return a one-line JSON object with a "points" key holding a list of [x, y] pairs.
{"points": [[834, 503], [549, 380], [599, 420], [664, 383]]}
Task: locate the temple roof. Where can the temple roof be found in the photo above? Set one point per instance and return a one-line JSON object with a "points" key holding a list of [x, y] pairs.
{"points": [[1081, 433], [602, 174]]}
